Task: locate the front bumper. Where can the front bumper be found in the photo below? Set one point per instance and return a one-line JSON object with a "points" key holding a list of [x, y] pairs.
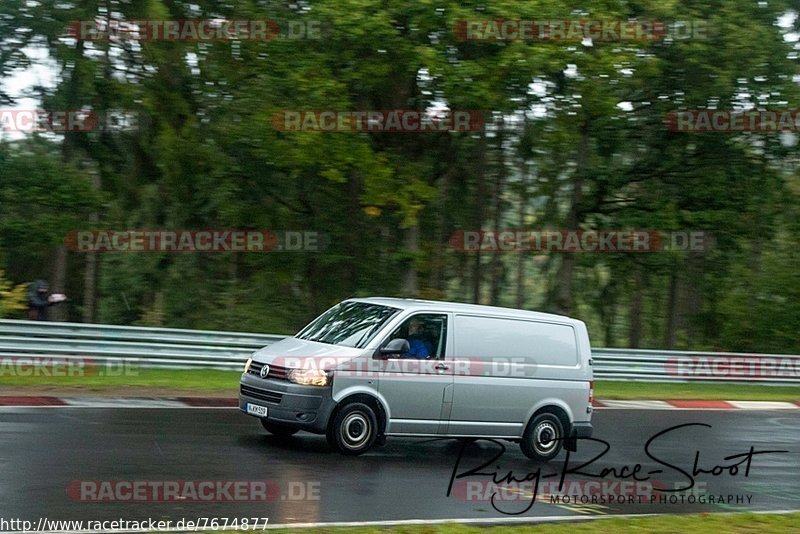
{"points": [[303, 407]]}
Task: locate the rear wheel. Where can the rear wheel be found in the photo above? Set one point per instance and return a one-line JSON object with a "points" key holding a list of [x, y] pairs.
{"points": [[353, 430], [278, 430], [543, 437]]}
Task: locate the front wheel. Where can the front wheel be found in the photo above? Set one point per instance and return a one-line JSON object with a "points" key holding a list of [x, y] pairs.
{"points": [[543, 438], [278, 430], [353, 430]]}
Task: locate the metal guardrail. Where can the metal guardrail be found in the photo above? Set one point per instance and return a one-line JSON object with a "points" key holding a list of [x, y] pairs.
{"points": [[692, 366], [185, 349], [141, 346]]}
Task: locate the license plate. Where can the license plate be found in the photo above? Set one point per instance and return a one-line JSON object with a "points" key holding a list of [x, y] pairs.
{"points": [[255, 409]]}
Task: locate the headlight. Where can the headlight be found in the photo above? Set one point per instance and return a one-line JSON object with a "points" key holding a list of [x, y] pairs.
{"points": [[247, 364], [309, 377]]}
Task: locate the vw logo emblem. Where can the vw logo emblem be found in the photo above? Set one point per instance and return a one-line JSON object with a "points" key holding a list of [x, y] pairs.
{"points": [[264, 371]]}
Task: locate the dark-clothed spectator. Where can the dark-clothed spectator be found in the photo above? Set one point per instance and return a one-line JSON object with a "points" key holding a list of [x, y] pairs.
{"points": [[40, 299]]}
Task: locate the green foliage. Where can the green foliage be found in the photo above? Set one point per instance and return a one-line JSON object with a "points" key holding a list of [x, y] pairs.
{"points": [[12, 298], [575, 139]]}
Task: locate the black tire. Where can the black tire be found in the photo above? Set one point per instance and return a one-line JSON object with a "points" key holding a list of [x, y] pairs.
{"points": [[278, 430], [543, 437], [353, 430]]}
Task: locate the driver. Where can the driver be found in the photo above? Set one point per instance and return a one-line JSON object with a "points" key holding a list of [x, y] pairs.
{"points": [[418, 347]]}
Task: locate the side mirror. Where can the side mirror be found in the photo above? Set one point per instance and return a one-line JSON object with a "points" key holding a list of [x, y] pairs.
{"points": [[394, 347]]}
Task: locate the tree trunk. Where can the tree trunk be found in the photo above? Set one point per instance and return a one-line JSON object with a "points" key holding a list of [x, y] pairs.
{"points": [[635, 331], [565, 302], [355, 252], [497, 271], [59, 279], [670, 334], [693, 298], [89, 287], [520, 297], [609, 319], [90, 271], [480, 195], [438, 258], [233, 281], [410, 288], [69, 153]]}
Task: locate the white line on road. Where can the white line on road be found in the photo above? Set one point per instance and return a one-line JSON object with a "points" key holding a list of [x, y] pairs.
{"points": [[412, 522], [764, 405]]}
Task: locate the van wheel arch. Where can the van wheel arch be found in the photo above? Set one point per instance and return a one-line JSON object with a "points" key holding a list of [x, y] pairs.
{"points": [[370, 401], [555, 410], [552, 410]]}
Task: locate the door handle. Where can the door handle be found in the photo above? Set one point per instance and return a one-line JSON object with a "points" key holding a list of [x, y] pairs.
{"points": [[441, 367]]}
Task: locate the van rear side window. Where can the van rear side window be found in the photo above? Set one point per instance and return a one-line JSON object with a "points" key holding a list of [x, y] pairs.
{"points": [[529, 341]]}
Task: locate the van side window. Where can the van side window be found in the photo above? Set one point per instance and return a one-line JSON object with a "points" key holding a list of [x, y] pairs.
{"points": [[426, 334]]}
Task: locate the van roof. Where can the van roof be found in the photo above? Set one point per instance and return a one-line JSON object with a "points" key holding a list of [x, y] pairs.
{"points": [[438, 305]]}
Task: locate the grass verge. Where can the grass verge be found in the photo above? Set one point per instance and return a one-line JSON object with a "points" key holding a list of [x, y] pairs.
{"points": [[606, 389], [723, 523], [199, 381], [195, 380]]}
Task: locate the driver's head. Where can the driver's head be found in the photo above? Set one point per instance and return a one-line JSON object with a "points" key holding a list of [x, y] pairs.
{"points": [[414, 327]]}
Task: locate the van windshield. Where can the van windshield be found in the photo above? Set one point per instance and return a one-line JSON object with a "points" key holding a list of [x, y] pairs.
{"points": [[351, 324]]}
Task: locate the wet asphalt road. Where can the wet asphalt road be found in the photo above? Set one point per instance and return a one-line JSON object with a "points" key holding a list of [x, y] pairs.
{"points": [[43, 450]]}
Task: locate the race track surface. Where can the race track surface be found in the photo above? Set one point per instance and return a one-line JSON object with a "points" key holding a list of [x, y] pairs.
{"points": [[45, 453]]}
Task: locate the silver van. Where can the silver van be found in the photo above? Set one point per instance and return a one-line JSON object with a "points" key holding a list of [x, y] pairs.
{"points": [[371, 368]]}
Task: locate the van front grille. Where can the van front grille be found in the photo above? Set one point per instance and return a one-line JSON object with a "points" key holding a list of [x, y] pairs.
{"points": [[261, 394], [275, 371]]}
